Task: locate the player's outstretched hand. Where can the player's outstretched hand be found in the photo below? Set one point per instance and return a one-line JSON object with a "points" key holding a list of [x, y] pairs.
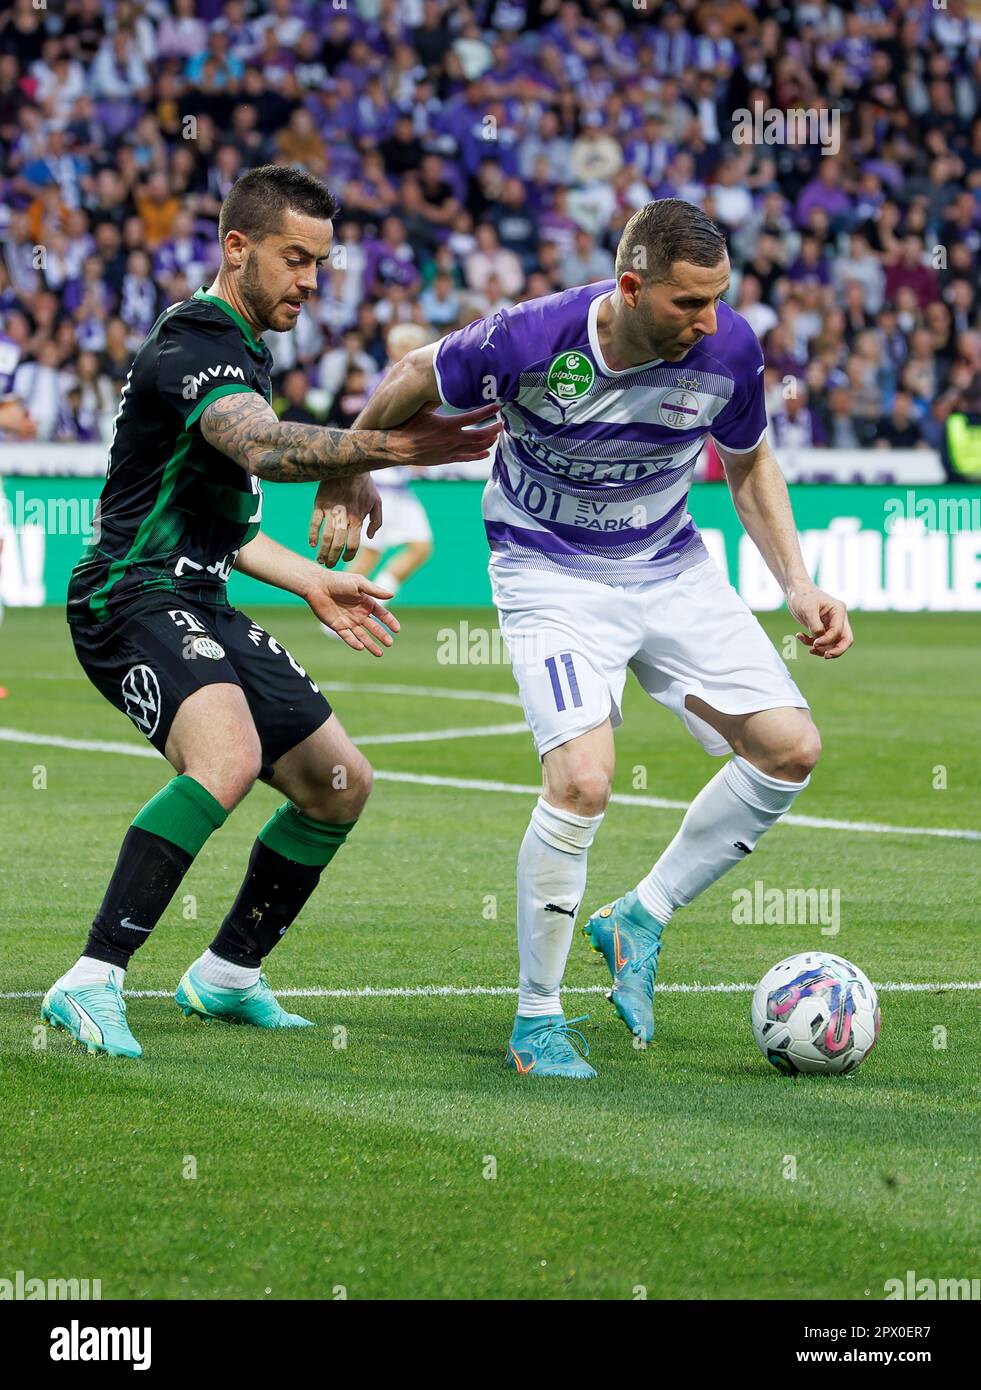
{"points": [[428, 439], [829, 632], [339, 512], [350, 606]]}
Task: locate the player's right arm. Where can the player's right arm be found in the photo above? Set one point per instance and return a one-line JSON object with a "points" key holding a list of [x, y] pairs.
{"points": [[245, 428], [463, 370], [407, 388], [458, 372]]}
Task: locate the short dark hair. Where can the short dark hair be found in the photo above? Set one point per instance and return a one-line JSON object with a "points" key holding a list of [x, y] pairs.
{"points": [[665, 231], [257, 201]]}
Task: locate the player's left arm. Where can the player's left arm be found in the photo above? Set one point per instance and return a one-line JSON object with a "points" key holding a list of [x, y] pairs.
{"points": [[350, 604], [760, 496]]}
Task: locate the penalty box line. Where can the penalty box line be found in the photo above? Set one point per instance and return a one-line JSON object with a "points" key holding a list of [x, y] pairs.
{"points": [[500, 991], [657, 803]]}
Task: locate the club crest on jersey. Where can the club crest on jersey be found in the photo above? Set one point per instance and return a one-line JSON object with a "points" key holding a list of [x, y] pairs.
{"points": [[141, 698], [207, 646], [680, 410], [570, 375]]}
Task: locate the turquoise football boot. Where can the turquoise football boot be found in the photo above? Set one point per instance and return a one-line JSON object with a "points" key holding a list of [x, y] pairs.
{"points": [[629, 939], [548, 1047], [94, 1016], [257, 1005]]}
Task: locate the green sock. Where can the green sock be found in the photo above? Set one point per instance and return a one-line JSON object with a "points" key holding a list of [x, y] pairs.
{"points": [[159, 848], [290, 854]]}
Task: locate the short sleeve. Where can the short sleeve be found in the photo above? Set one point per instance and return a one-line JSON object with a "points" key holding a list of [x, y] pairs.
{"points": [[477, 364], [741, 423], [196, 367]]}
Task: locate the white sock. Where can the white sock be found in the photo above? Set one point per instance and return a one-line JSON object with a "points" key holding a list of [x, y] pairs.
{"points": [[551, 872], [89, 971], [223, 974], [385, 579], [735, 808]]}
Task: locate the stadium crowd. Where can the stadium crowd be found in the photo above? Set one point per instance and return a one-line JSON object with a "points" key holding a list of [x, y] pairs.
{"points": [[489, 152]]}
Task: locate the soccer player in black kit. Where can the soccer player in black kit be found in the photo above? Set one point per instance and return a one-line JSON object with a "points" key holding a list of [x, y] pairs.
{"points": [[194, 438]]}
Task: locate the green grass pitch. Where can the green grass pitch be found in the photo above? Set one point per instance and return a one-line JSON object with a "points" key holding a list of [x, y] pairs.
{"points": [[408, 1163]]}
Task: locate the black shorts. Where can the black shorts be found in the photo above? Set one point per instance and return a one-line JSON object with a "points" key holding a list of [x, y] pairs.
{"points": [[147, 659]]}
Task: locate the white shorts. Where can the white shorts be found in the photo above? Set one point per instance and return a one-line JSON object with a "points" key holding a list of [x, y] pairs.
{"points": [[404, 520], [571, 641]]}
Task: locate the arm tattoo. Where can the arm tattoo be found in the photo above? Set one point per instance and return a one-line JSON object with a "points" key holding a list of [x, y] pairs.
{"points": [[245, 428]]}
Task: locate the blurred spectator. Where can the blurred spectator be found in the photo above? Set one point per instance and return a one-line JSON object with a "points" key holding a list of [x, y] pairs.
{"points": [[38, 385], [761, 317], [900, 429], [490, 259], [181, 34], [595, 155], [351, 398], [440, 302], [293, 404], [907, 270], [585, 263], [793, 426]]}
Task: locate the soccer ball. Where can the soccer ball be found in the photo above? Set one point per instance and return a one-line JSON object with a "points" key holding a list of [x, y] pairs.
{"points": [[815, 1012]]}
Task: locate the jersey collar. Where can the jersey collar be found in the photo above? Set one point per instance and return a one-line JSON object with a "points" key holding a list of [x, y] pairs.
{"points": [[226, 308]]}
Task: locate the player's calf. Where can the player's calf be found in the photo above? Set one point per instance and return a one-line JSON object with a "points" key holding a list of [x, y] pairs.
{"points": [[214, 747], [159, 848], [328, 782], [290, 854]]}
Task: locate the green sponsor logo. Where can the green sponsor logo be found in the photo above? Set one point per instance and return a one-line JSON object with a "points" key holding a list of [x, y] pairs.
{"points": [[570, 375]]}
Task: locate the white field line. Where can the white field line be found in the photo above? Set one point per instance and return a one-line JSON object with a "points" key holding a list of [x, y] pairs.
{"points": [[438, 735], [496, 991], [135, 750], [663, 804], [81, 745], [432, 692]]}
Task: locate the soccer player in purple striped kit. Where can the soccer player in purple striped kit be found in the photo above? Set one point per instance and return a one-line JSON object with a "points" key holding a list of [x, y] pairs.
{"points": [[607, 392]]}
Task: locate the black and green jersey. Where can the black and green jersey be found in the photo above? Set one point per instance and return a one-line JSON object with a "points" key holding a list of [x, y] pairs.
{"points": [[174, 512]]}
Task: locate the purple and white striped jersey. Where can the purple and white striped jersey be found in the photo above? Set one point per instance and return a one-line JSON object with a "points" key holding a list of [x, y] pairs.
{"points": [[594, 465]]}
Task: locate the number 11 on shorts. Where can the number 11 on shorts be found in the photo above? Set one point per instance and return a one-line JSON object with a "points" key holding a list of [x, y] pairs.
{"points": [[555, 676]]}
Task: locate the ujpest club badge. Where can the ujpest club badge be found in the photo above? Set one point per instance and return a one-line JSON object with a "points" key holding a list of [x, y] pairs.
{"points": [[680, 408]]}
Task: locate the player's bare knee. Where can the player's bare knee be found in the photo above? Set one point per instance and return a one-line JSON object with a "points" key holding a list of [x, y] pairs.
{"points": [[808, 749], [340, 793], [795, 759], [230, 782], [231, 769], [360, 779], [583, 788]]}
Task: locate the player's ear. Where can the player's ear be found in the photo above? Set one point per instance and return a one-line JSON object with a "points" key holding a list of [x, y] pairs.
{"points": [[236, 249], [630, 287]]}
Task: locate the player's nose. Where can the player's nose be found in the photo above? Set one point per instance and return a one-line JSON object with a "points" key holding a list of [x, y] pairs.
{"points": [[707, 322]]}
